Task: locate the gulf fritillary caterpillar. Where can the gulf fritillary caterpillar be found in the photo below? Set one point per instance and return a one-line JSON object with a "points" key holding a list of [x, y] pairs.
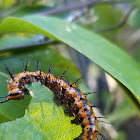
{"points": [[67, 93]]}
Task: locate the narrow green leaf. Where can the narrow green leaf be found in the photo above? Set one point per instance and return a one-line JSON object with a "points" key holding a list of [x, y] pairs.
{"points": [[105, 54], [43, 120]]}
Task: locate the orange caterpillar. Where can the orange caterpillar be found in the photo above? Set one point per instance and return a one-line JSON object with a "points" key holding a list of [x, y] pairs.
{"points": [[66, 94]]}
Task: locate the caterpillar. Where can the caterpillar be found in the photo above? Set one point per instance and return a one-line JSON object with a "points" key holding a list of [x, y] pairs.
{"points": [[66, 93]]}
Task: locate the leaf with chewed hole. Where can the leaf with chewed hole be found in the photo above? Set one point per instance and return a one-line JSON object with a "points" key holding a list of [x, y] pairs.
{"points": [[16, 109], [43, 120]]}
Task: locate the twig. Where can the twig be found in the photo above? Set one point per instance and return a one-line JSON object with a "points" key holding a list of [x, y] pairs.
{"points": [[119, 25], [79, 5]]}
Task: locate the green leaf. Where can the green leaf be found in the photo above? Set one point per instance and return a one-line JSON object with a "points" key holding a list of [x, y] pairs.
{"points": [[43, 120], [105, 54], [135, 18]]}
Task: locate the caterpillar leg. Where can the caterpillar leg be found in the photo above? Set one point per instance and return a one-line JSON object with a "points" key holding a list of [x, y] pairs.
{"points": [[67, 111], [58, 101], [76, 121], [4, 101], [103, 137], [80, 137], [4, 97]]}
